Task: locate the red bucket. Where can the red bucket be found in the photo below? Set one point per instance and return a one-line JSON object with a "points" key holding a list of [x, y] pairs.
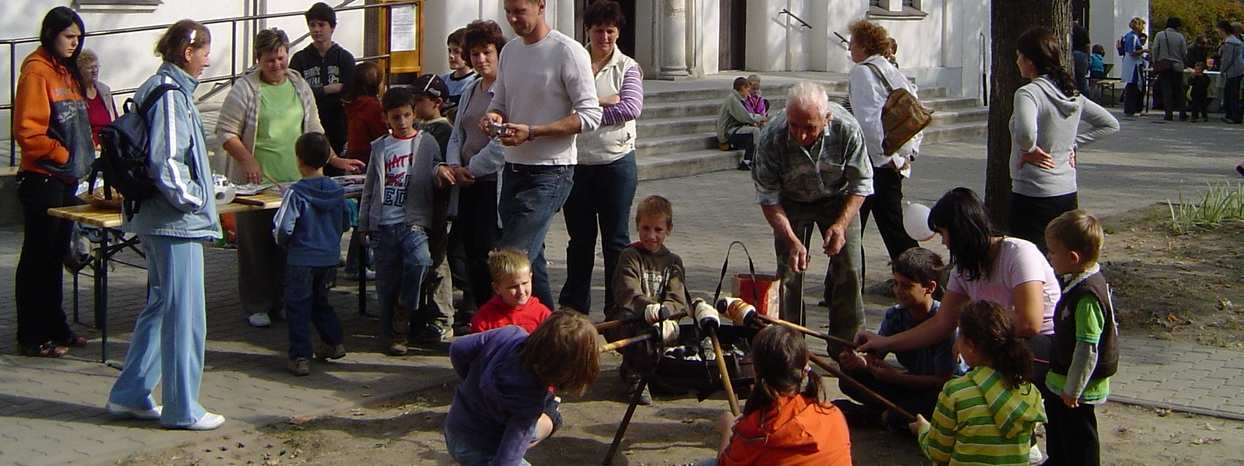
{"points": [[760, 291]]}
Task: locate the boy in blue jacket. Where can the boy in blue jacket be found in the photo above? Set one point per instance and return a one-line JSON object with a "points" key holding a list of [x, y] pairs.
{"points": [[309, 225]]}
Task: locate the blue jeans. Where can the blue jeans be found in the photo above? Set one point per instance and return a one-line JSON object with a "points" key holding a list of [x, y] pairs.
{"points": [[602, 195], [402, 259], [169, 334], [530, 195], [469, 455], [306, 299]]}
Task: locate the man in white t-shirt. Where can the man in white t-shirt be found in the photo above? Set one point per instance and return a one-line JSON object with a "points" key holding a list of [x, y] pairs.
{"points": [[545, 94]]}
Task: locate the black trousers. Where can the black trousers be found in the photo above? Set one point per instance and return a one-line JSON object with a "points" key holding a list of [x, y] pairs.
{"points": [[1071, 434], [1231, 99], [1133, 101], [1172, 89], [1030, 215], [37, 286], [476, 228], [886, 207], [914, 401]]}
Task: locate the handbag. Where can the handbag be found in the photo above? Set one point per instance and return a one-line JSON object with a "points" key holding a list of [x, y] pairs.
{"points": [[1164, 65], [902, 116]]}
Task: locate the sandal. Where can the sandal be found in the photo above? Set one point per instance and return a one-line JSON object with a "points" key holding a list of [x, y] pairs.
{"points": [[76, 341], [45, 350]]}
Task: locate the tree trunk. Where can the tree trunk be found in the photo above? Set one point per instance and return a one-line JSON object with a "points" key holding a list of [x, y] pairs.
{"points": [[1009, 19]]}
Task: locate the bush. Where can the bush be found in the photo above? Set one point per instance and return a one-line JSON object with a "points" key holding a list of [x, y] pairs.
{"points": [[1199, 17]]}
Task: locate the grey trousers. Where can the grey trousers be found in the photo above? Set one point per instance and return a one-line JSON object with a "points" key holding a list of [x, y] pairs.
{"points": [[261, 265], [843, 280]]}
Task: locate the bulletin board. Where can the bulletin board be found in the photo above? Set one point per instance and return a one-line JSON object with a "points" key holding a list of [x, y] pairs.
{"points": [[401, 32]]}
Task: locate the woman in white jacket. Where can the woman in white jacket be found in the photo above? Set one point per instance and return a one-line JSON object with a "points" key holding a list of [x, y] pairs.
{"points": [[1045, 132], [870, 47]]}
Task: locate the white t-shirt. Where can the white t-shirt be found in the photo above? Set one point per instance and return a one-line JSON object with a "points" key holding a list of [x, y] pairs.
{"points": [[541, 83], [397, 162], [1018, 262]]}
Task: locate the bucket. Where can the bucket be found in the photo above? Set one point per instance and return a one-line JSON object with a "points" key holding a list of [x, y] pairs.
{"points": [[760, 291]]}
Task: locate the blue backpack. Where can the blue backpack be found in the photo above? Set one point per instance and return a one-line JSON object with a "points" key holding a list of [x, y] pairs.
{"points": [[124, 153]]}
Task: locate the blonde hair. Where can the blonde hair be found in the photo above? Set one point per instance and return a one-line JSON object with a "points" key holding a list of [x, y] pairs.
{"points": [[653, 206], [1136, 23], [562, 352], [87, 56], [506, 262], [1078, 231]]}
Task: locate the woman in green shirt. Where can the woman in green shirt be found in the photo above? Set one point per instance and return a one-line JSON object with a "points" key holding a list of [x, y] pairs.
{"points": [[264, 114]]}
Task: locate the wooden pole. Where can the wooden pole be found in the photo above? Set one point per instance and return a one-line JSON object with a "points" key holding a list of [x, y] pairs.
{"points": [[723, 372], [807, 331], [623, 343], [603, 326], [836, 371]]}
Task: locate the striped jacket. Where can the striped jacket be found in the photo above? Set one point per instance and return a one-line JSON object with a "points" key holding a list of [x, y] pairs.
{"points": [[979, 421]]}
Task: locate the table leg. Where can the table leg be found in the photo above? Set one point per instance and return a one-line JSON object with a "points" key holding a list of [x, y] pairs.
{"points": [[76, 319], [101, 295], [362, 279], [626, 422]]}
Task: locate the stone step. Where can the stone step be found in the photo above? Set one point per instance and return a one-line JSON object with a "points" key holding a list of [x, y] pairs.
{"points": [[656, 167], [661, 127], [834, 88], [705, 107]]}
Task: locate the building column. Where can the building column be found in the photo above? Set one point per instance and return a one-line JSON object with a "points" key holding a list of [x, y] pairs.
{"points": [[673, 39]]}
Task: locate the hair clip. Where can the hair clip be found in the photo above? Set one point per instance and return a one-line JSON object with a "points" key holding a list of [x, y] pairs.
{"points": [[194, 33]]}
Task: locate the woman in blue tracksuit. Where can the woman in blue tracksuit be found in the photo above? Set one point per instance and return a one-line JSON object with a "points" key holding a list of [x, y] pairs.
{"points": [[169, 335]]}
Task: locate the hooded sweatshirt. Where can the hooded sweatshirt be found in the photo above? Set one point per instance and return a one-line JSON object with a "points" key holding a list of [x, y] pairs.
{"points": [[978, 420], [1232, 65], [310, 222], [51, 122], [792, 432], [499, 400], [1044, 117], [644, 278]]}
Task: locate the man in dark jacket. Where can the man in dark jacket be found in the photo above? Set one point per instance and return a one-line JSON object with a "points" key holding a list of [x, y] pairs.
{"points": [[328, 69]]}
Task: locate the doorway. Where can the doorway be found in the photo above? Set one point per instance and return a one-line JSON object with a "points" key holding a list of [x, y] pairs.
{"points": [[730, 51]]}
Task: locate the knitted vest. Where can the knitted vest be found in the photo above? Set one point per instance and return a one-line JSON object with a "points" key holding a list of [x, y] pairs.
{"points": [[1065, 328]]}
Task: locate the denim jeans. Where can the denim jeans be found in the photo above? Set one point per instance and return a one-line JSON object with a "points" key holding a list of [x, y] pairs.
{"points": [[306, 303], [744, 137], [530, 195], [469, 455], [843, 278], [602, 196], [402, 259], [169, 335]]}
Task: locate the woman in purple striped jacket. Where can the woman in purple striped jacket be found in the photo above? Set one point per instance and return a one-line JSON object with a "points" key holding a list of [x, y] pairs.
{"points": [[605, 179]]}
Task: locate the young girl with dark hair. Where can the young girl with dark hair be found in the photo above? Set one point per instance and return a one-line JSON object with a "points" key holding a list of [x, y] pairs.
{"points": [[784, 421], [987, 415], [1045, 134], [50, 124]]}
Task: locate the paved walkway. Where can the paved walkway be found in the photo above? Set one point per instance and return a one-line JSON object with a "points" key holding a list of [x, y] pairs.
{"points": [[50, 410]]}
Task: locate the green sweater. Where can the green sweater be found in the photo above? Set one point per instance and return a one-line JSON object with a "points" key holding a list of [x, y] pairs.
{"points": [[733, 115], [978, 420]]}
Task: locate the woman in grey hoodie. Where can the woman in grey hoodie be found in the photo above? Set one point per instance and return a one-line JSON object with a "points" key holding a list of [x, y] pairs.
{"points": [[1045, 132], [1232, 67]]}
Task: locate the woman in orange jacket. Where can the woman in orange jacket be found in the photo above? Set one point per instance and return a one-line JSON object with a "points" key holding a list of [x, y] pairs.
{"points": [[52, 128], [784, 422]]}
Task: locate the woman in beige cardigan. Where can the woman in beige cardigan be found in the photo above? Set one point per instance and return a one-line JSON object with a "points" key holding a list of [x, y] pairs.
{"points": [[265, 112]]}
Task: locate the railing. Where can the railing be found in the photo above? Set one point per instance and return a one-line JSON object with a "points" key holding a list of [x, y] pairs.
{"points": [[233, 62], [803, 24]]}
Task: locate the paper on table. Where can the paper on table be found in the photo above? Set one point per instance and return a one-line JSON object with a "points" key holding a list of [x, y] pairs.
{"points": [[251, 189]]}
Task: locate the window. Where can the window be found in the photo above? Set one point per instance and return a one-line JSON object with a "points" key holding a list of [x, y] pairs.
{"points": [[896, 9]]}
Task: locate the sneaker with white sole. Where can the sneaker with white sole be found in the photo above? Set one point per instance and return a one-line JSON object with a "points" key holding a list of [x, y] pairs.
{"points": [[209, 421], [116, 410], [259, 319], [1035, 457]]}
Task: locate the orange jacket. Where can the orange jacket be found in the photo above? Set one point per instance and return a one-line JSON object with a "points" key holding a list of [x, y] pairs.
{"points": [[51, 120], [793, 432]]}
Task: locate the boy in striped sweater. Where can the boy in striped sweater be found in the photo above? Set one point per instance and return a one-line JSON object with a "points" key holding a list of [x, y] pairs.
{"points": [[987, 415]]}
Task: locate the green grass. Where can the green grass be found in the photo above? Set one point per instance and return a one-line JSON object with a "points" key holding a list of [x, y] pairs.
{"points": [[1220, 204]]}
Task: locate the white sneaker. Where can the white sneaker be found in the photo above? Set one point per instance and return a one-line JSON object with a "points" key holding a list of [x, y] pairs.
{"points": [[209, 421], [116, 410], [1035, 456], [259, 319]]}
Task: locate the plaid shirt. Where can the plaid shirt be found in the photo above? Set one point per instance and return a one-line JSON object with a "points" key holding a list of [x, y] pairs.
{"points": [[783, 170]]}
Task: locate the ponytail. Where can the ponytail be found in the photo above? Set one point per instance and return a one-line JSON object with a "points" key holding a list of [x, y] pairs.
{"points": [[990, 330], [780, 359], [1043, 49]]}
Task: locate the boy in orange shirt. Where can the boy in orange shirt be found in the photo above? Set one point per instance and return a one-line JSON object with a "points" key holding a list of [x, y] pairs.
{"points": [[512, 303]]}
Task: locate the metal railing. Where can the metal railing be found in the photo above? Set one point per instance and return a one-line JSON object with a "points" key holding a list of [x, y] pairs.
{"points": [[227, 79]]}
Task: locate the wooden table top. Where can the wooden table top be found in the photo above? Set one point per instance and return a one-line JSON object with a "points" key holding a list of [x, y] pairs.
{"points": [[104, 217]]}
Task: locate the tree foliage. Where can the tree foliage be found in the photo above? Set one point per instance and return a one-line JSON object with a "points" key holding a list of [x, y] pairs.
{"points": [[1199, 17]]}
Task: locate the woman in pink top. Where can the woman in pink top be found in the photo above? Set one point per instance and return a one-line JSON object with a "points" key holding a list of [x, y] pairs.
{"points": [[1009, 271]]}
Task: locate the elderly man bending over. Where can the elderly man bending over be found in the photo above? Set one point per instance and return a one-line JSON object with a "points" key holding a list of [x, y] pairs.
{"points": [[812, 169]]}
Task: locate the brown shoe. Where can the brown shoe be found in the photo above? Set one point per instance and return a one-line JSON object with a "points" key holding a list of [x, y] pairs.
{"points": [[396, 348], [300, 367]]}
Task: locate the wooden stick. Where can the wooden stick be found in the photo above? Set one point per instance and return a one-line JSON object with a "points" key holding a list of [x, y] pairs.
{"points": [[723, 372], [603, 326], [836, 371], [626, 342], [807, 331]]}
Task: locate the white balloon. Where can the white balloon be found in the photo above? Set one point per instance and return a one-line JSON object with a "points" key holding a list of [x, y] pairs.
{"points": [[916, 221]]}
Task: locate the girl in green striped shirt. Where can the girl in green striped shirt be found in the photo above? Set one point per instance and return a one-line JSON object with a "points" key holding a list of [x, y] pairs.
{"points": [[986, 416]]}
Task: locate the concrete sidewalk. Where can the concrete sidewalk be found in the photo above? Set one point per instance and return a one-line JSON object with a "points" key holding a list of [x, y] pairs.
{"points": [[51, 409]]}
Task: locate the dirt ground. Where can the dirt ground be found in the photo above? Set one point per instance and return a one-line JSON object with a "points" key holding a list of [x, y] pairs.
{"points": [[679, 431], [1185, 287]]}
